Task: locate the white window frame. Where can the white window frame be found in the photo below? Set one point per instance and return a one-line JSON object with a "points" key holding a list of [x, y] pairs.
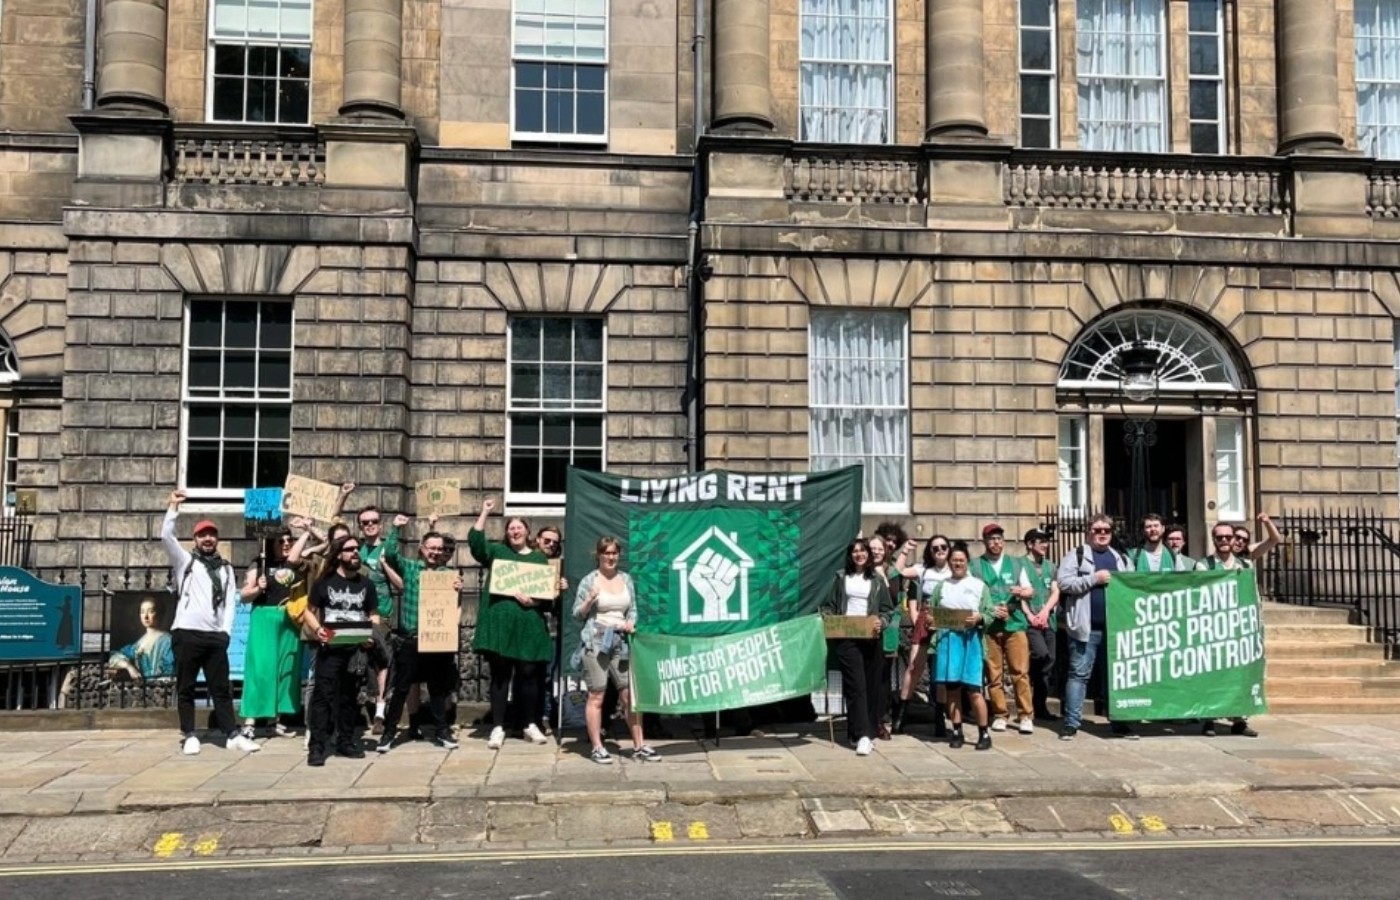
{"points": [[516, 57], [1072, 443], [1372, 137], [9, 463], [1217, 79], [542, 501], [226, 399], [216, 40], [1049, 74], [1230, 500], [1160, 79], [887, 63], [816, 410]]}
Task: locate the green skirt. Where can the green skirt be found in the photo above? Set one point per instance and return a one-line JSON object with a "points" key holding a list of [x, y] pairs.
{"points": [[272, 667], [506, 628]]}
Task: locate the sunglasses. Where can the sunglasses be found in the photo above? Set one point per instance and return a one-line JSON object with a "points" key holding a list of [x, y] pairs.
{"points": [[1223, 537], [365, 523], [1101, 531], [938, 548], [549, 540]]}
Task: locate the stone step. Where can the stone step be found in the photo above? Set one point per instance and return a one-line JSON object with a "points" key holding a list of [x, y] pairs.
{"points": [[1278, 648], [1283, 614], [1366, 667], [1332, 706], [1297, 688], [1318, 634]]}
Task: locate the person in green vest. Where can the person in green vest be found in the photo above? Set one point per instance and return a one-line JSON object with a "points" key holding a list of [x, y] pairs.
{"points": [[1154, 555], [1042, 621], [1174, 536], [1222, 535], [511, 631], [1007, 647]]}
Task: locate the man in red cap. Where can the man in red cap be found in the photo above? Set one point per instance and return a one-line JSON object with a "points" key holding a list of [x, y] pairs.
{"points": [[206, 589]]}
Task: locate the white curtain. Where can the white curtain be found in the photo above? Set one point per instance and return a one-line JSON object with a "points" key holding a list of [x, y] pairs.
{"points": [[845, 71], [1122, 86], [858, 398], [1229, 474], [1378, 77]]}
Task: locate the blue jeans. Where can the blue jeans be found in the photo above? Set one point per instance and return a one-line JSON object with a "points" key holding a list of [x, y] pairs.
{"points": [[1081, 666]]}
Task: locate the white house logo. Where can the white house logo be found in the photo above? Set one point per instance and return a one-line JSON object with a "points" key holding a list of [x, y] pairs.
{"points": [[713, 570]]}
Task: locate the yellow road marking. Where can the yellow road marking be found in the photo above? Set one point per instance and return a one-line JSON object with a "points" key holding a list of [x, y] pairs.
{"points": [[698, 831], [207, 844], [1121, 823], [1152, 823], [661, 831], [168, 844]]}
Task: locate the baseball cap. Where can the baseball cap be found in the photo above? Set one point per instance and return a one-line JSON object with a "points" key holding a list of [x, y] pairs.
{"points": [[1036, 534], [204, 525], [990, 529]]}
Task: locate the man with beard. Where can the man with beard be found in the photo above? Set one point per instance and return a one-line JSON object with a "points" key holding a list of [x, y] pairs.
{"points": [[344, 599], [206, 589]]}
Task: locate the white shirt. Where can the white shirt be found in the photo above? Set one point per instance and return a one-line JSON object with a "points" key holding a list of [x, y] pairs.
{"points": [[929, 576], [194, 609], [857, 595], [965, 594], [611, 608]]}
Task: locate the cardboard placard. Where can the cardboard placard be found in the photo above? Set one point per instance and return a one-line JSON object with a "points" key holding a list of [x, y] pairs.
{"points": [[951, 619], [310, 498], [856, 627], [439, 496], [262, 512], [438, 612], [511, 577]]}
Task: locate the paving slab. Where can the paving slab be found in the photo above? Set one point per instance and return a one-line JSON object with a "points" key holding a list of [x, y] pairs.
{"points": [[10, 827], [453, 820], [82, 834], [693, 822], [349, 824], [510, 822], [771, 818], [602, 824], [901, 817], [1296, 808]]}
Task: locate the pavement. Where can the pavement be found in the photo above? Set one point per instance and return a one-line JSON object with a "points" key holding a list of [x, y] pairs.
{"points": [[131, 795]]}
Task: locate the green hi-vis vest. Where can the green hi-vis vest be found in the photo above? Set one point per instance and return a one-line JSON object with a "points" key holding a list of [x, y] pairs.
{"points": [[1000, 587], [1041, 576], [1142, 562], [1213, 562]]}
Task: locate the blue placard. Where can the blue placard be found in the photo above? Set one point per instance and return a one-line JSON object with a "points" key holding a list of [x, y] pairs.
{"points": [[262, 511], [39, 622]]}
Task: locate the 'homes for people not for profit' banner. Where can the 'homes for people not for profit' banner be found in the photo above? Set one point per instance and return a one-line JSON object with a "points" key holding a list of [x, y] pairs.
{"points": [[1185, 646], [729, 570]]}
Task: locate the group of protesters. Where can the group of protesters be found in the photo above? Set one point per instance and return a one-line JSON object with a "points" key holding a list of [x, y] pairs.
{"points": [[1001, 616]]}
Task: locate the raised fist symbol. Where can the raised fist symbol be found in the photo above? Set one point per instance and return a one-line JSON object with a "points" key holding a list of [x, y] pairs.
{"points": [[713, 579]]}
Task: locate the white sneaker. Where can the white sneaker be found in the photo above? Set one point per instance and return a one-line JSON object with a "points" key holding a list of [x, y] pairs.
{"points": [[244, 743], [1026, 726], [497, 739], [998, 724], [864, 746], [190, 746], [534, 735]]}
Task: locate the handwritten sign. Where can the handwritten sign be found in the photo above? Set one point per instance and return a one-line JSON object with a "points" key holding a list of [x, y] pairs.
{"points": [[952, 619], [310, 498], [439, 496], [262, 512], [438, 613], [856, 627], [511, 577]]}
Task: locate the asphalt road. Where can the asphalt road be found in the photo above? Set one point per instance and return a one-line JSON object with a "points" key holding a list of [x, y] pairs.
{"points": [[839, 872]]}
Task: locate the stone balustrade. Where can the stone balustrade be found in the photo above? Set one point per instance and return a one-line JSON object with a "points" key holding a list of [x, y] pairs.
{"points": [[287, 157], [892, 177], [1383, 191], [1216, 185]]}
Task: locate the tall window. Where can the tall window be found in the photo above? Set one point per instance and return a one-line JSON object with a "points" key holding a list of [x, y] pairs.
{"points": [[560, 57], [260, 60], [11, 462], [1206, 35], [1122, 75], [1074, 487], [237, 395], [847, 71], [1229, 468], [858, 380], [556, 404], [1038, 74], [1378, 77]]}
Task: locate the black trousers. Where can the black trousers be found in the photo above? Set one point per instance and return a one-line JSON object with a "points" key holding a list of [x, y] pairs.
{"points": [[207, 652], [861, 662], [333, 694], [437, 670], [1042, 666], [518, 679]]}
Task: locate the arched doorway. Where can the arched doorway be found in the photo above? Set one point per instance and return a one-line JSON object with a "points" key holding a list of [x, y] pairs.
{"points": [[1199, 423]]}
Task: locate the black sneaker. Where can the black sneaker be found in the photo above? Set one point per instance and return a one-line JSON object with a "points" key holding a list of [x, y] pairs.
{"points": [[316, 757], [1068, 732], [1242, 729], [1123, 731], [984, 741], [1208, 728], [350, 751], [386, 743], [1046, 715], [957, 739], [444, 742]]}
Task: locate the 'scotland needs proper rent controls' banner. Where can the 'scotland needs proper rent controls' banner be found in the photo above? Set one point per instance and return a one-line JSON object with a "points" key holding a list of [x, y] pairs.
{"points": [[716, 554], [1185, 646]]}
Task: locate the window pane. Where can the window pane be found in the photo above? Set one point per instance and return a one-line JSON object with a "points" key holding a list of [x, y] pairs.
{"points": [[558, 431], [296, 62], [558, 339], [558, 384], [593, 462], [1205, 55], [277, 325], [205, 369], [525, 431], [229, 60], [241, 325], [262, 100], [591, 113], [1035, 96], [262, 62], [230, 17], [296, 20], [524, 471], [555, 475], [1035, 13], [204, 421], [238, 465], [1035, 50], [588, 432], [1035, 133], [206, 324], [275, 371], [1205, 138], [228, 99], [529, 111], [588, 384], [294, 103], [525, 383], [1202, 15], [240, 371], [275, 423], [202, 465], [238, 421], [1204, 100], [273, 464], [529, 75]]}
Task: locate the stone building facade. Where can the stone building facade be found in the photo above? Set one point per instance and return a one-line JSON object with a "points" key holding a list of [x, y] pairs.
{"points": [[384, 241]]}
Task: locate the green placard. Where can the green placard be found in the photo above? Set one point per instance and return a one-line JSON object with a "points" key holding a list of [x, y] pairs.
{"points": [[679, 674], [1185, 646]]}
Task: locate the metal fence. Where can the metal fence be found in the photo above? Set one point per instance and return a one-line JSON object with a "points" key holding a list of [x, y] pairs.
{"points": [[89, 682]]}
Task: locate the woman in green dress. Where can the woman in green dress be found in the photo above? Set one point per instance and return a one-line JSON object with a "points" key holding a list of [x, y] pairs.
{"points": [[511, 631], [272, 666]]}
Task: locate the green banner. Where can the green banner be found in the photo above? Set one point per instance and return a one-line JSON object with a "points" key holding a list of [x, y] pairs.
{"points": [[678, 674], [1185, 646]]}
